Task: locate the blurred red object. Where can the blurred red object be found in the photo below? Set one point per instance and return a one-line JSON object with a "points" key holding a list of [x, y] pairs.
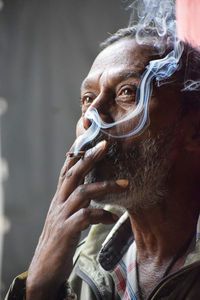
{"points": [[188, 21]]}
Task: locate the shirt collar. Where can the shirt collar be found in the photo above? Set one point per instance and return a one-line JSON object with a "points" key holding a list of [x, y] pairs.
{"points": [[121, 237]]}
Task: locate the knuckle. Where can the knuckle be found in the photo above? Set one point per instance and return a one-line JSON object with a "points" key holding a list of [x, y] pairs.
{"points": [[73, 172], [85, 213], [81, 190], [69, 174], [63, 170], [104, 184]]}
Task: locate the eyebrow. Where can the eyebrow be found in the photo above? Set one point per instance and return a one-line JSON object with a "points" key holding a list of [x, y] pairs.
{"points": [[88, 84], [130, 74]]}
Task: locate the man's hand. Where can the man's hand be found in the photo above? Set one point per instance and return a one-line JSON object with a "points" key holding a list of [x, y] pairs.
{"points": [[67, 217]]}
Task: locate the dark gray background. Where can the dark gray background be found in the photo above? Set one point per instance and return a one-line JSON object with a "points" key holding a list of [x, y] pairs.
{"points": [[46, 49]]}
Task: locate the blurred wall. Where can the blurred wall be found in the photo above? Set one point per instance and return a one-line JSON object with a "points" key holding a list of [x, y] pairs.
{"points": [[46, 49]]}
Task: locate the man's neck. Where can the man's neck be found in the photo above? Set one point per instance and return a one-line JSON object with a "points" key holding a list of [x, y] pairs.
{"points": [[160, 231], [162, 235]]}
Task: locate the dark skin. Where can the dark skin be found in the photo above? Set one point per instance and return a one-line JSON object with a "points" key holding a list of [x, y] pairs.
{"points": [[67, 217], [159, 231]]}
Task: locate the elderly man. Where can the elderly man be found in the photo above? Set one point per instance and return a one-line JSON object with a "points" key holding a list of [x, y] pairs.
{"points": [[152, 251]]}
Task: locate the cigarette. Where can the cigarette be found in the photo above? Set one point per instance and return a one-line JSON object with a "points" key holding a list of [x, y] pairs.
{"points": [[73, 154]]}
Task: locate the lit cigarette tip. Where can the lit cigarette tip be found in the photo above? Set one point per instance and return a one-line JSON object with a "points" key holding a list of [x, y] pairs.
{"points": [[73, 154]]}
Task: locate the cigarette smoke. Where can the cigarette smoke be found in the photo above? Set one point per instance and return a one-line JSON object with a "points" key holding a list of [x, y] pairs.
{"points": [[147, 16], [191, 85]]}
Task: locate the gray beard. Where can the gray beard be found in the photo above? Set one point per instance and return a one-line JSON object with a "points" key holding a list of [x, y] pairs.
{"points": [[147, 167]]}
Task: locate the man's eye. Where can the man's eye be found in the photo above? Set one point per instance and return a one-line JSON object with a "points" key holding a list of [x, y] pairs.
{"points": [[127, 92], [87, 99], [126, 95]]}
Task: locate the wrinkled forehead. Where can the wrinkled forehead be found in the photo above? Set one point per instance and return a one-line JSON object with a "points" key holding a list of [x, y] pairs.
{"points": [[125, 53], [124, 58]]}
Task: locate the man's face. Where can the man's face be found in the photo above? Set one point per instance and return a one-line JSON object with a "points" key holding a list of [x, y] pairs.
{"points": [[145, 160]]}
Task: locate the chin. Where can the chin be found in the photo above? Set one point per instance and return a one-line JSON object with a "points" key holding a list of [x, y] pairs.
{"points": [[145, 191], [148, 169], [136, 201]]}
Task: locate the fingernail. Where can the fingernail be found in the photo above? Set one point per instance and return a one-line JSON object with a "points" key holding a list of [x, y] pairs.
{"points": [[97, 149], [101, 145], [122, 182]]}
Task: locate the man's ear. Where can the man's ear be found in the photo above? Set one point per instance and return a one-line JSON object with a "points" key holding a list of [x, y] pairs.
{"points": [[191, 131]]}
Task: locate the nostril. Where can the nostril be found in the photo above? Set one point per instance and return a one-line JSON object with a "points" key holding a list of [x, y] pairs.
{"points": [[86, 123]]}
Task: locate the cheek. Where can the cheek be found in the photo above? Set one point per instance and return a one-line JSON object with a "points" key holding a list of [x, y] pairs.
{"points": [[127, 128], [79, 128], [164, 112]]}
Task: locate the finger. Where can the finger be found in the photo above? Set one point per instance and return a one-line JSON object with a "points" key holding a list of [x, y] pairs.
{"points": [[69, 162], [88, 216], [75, 175], [84, 193]]}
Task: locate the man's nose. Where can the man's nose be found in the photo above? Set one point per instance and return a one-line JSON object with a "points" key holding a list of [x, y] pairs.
{"points": [[103, 105]]}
